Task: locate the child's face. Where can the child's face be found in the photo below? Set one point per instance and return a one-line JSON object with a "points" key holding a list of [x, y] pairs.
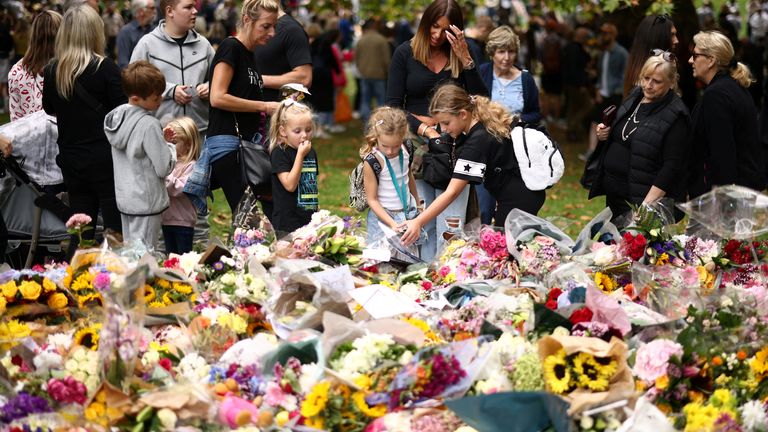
{"points": [[297, 128], [389, 145], [454, 124], [149, 103], [182, 148]]}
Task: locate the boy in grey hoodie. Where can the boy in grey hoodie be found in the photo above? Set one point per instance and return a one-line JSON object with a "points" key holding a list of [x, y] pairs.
{"points": [[140, 155]]}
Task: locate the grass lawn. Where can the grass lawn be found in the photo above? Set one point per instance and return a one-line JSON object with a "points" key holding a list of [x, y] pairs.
{"points": [[566, 204]]}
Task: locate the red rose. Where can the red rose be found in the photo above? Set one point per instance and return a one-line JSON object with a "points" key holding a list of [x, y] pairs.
{"points": [[427, 285], [581, 315], [634, 246], [554, 293], [551, 304], [165, 363], [171, 263]]}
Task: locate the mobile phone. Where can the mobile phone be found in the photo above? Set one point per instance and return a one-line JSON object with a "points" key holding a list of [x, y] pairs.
{"points": [[192, 91], [609, 115]]}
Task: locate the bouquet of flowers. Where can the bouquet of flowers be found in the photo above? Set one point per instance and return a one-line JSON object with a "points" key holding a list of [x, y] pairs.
{"points": [[430, 375], [538, 256], [513, 365], [330, 405], [364, 354], [465, 259], [28, 292], [327, 236]]}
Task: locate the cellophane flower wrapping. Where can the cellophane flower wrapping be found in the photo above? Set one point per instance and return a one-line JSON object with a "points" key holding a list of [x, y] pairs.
{"points": [[521, 227], [730, 212], [667, 290], [599, 229]]}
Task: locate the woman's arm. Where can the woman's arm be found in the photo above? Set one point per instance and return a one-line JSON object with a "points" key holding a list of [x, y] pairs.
{"points": [[372, 196], [675, 155], [654, 194], [221, 99], [413, 227]]}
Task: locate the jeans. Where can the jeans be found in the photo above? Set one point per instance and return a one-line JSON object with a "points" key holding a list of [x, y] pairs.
{"points": [[178, 239], [487, 204], [375, 233], [456, 213], [370, 89]]}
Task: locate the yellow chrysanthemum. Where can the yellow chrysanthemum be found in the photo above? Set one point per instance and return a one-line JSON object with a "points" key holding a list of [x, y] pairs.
{"points": [[700, 417], [556, 372], [759, 363], [182, 288], [662, 259], [82, 282], [30, 290], [149, 294], [316, 400], [9, 290], [374, 412], [88, 337], [48, 285], [605, 282]]}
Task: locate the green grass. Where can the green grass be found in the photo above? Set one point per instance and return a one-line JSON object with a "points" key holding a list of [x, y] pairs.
{"points": [[566, 204]]}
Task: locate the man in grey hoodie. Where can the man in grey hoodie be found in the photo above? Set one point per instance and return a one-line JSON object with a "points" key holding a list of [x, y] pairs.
{"points": [[141, 157]]}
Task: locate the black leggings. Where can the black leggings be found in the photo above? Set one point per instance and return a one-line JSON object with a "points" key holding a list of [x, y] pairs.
{"points": [[3, 239], [91, 196], [225, 174], [516, 195]]}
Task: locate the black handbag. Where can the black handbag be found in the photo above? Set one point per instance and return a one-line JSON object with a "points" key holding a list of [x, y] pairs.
{"points": [[591, 179], [437, 165], [255, 163]]}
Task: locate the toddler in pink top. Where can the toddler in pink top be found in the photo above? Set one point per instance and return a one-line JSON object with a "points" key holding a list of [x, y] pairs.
{"points": [[179, 219]]}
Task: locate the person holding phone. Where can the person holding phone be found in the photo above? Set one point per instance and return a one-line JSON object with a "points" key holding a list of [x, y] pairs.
{"points": [[644, 151], [438, 53], [184, 57]]}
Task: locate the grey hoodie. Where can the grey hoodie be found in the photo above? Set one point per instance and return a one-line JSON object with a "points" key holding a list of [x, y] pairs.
{"points": [[185, 65], [141, 160]]}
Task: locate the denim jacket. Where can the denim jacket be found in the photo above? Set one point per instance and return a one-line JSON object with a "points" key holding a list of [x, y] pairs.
{"points": [[198, 187]]}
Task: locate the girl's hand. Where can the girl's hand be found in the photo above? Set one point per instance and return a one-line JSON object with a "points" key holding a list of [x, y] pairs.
{"points": [[202, 91], [304, 148], [169, 135], [412, 231], [425, 119], [458, 44], [603, 132]]}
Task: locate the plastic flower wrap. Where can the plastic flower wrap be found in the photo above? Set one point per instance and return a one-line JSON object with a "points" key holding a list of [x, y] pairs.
{"points": [[472, 258], [522, 228], [90, 273], [326, 236], [587, 371], [599, 230], [668, 290], [332, 405], [513, 364], [731, 212], [364, 354], [215, 329]]}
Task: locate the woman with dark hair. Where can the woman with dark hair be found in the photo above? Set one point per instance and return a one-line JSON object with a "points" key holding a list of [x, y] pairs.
{"points": [[25, 80], [725, 131], [436, 54], [654, 32]]}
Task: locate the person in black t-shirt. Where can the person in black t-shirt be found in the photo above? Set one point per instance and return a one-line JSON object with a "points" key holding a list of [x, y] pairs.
{"points": [[484, 157], [294, 166], [286, 58], [237, 101]]}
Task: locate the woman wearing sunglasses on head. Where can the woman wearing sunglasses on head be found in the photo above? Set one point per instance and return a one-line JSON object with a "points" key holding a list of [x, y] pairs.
{"points": [[725, 131], [644, 152]]}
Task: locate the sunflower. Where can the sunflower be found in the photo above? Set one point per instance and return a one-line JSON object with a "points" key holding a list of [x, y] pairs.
{"points": [[182, 288], [84, 281], [156, 304], [556, 372], [605, 282], [586, 373], [162, 283], [167, 300], [83, 299], [316, 400], [373, 412], [316, 423], [759, 363], [88, 337], [149, 294], [606, 366]]}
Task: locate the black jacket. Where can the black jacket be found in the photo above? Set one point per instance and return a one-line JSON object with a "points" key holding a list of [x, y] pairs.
{"points": [[656, 150], [726, 143]]}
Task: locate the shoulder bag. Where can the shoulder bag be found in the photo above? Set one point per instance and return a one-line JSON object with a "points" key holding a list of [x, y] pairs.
{"points": [[255, 163]]}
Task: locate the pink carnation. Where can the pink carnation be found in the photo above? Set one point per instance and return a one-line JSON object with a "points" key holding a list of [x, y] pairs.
{"points": [[78, 220], [653, 359], [101, 281]]}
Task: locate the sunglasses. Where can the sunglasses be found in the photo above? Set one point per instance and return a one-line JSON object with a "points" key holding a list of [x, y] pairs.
{"points": [[666, 55], [660, 19], [696, 55]]}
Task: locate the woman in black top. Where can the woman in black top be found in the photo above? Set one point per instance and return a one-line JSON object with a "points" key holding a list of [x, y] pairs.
{"points": [[81, 87], [485, 156], [725, 130], [436, 54], [645, 151], [236, 95]]}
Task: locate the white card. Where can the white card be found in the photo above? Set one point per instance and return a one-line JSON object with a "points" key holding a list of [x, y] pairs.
{"points": [[338, 279], [383, 302]]}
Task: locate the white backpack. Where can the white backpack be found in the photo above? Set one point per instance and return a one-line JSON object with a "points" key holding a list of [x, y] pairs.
{"points": [[539, 158]]}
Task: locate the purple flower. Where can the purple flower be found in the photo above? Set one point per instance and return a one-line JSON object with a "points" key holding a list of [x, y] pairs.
{"points": [[21, 406], [218, 266], [101, 281]]}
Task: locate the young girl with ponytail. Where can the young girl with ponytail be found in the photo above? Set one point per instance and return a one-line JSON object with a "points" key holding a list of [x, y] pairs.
{"points": [[485, 156]]}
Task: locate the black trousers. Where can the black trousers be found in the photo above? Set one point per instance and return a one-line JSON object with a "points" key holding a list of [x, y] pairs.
{"points": [[91, 196], [516, 195], [3, 239], [225, 174]]}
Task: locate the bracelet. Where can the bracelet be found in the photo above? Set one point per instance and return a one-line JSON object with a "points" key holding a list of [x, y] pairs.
{"points": [[422, 128]]}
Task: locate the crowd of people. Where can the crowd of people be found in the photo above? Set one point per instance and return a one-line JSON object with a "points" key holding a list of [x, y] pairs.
{"points": [[152, 104]]}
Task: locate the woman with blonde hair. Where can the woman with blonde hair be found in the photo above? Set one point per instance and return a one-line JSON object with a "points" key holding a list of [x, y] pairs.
{"points": [[644, 152], [725, 129], [237, 109], [485, 156], [25, 80], [82, 86]]}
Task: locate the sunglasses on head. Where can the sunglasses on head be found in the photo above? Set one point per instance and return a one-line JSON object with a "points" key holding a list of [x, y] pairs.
{"points": [[666, 55], [660, 19]]}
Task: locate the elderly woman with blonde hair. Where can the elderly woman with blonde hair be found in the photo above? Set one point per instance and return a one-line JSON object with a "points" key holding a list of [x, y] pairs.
{"points": [[644, 153], [512, 87], [725, 127]]}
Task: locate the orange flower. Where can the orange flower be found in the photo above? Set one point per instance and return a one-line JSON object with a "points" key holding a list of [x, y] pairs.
{"points": [[629, 290], [716, 361], [741, 355]]}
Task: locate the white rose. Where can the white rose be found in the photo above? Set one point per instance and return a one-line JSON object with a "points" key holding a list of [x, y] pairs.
{"points": [[71, 365], [167, 418], [228, 279]]}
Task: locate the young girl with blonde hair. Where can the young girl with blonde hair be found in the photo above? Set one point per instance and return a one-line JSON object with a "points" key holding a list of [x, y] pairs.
{"points": [[294, 166], [180, 217], [390, 188], [482, 128]]}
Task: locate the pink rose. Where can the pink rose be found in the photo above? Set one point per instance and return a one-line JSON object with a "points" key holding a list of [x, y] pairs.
{"points": [[444, 270], [653, 359]]}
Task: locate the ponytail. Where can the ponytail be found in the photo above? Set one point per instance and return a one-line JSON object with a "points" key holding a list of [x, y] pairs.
{"points": [[451, 99], [278, 119], [741, 74]]}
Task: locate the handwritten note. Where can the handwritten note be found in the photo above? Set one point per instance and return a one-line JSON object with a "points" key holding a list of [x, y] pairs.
{"points": [[383, 302]]}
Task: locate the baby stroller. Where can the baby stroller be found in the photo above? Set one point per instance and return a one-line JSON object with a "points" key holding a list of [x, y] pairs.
{"points": [[34, 219]]}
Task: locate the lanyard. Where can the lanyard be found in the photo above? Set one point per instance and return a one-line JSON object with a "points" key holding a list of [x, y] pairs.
{"points": [[399, 188]]}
